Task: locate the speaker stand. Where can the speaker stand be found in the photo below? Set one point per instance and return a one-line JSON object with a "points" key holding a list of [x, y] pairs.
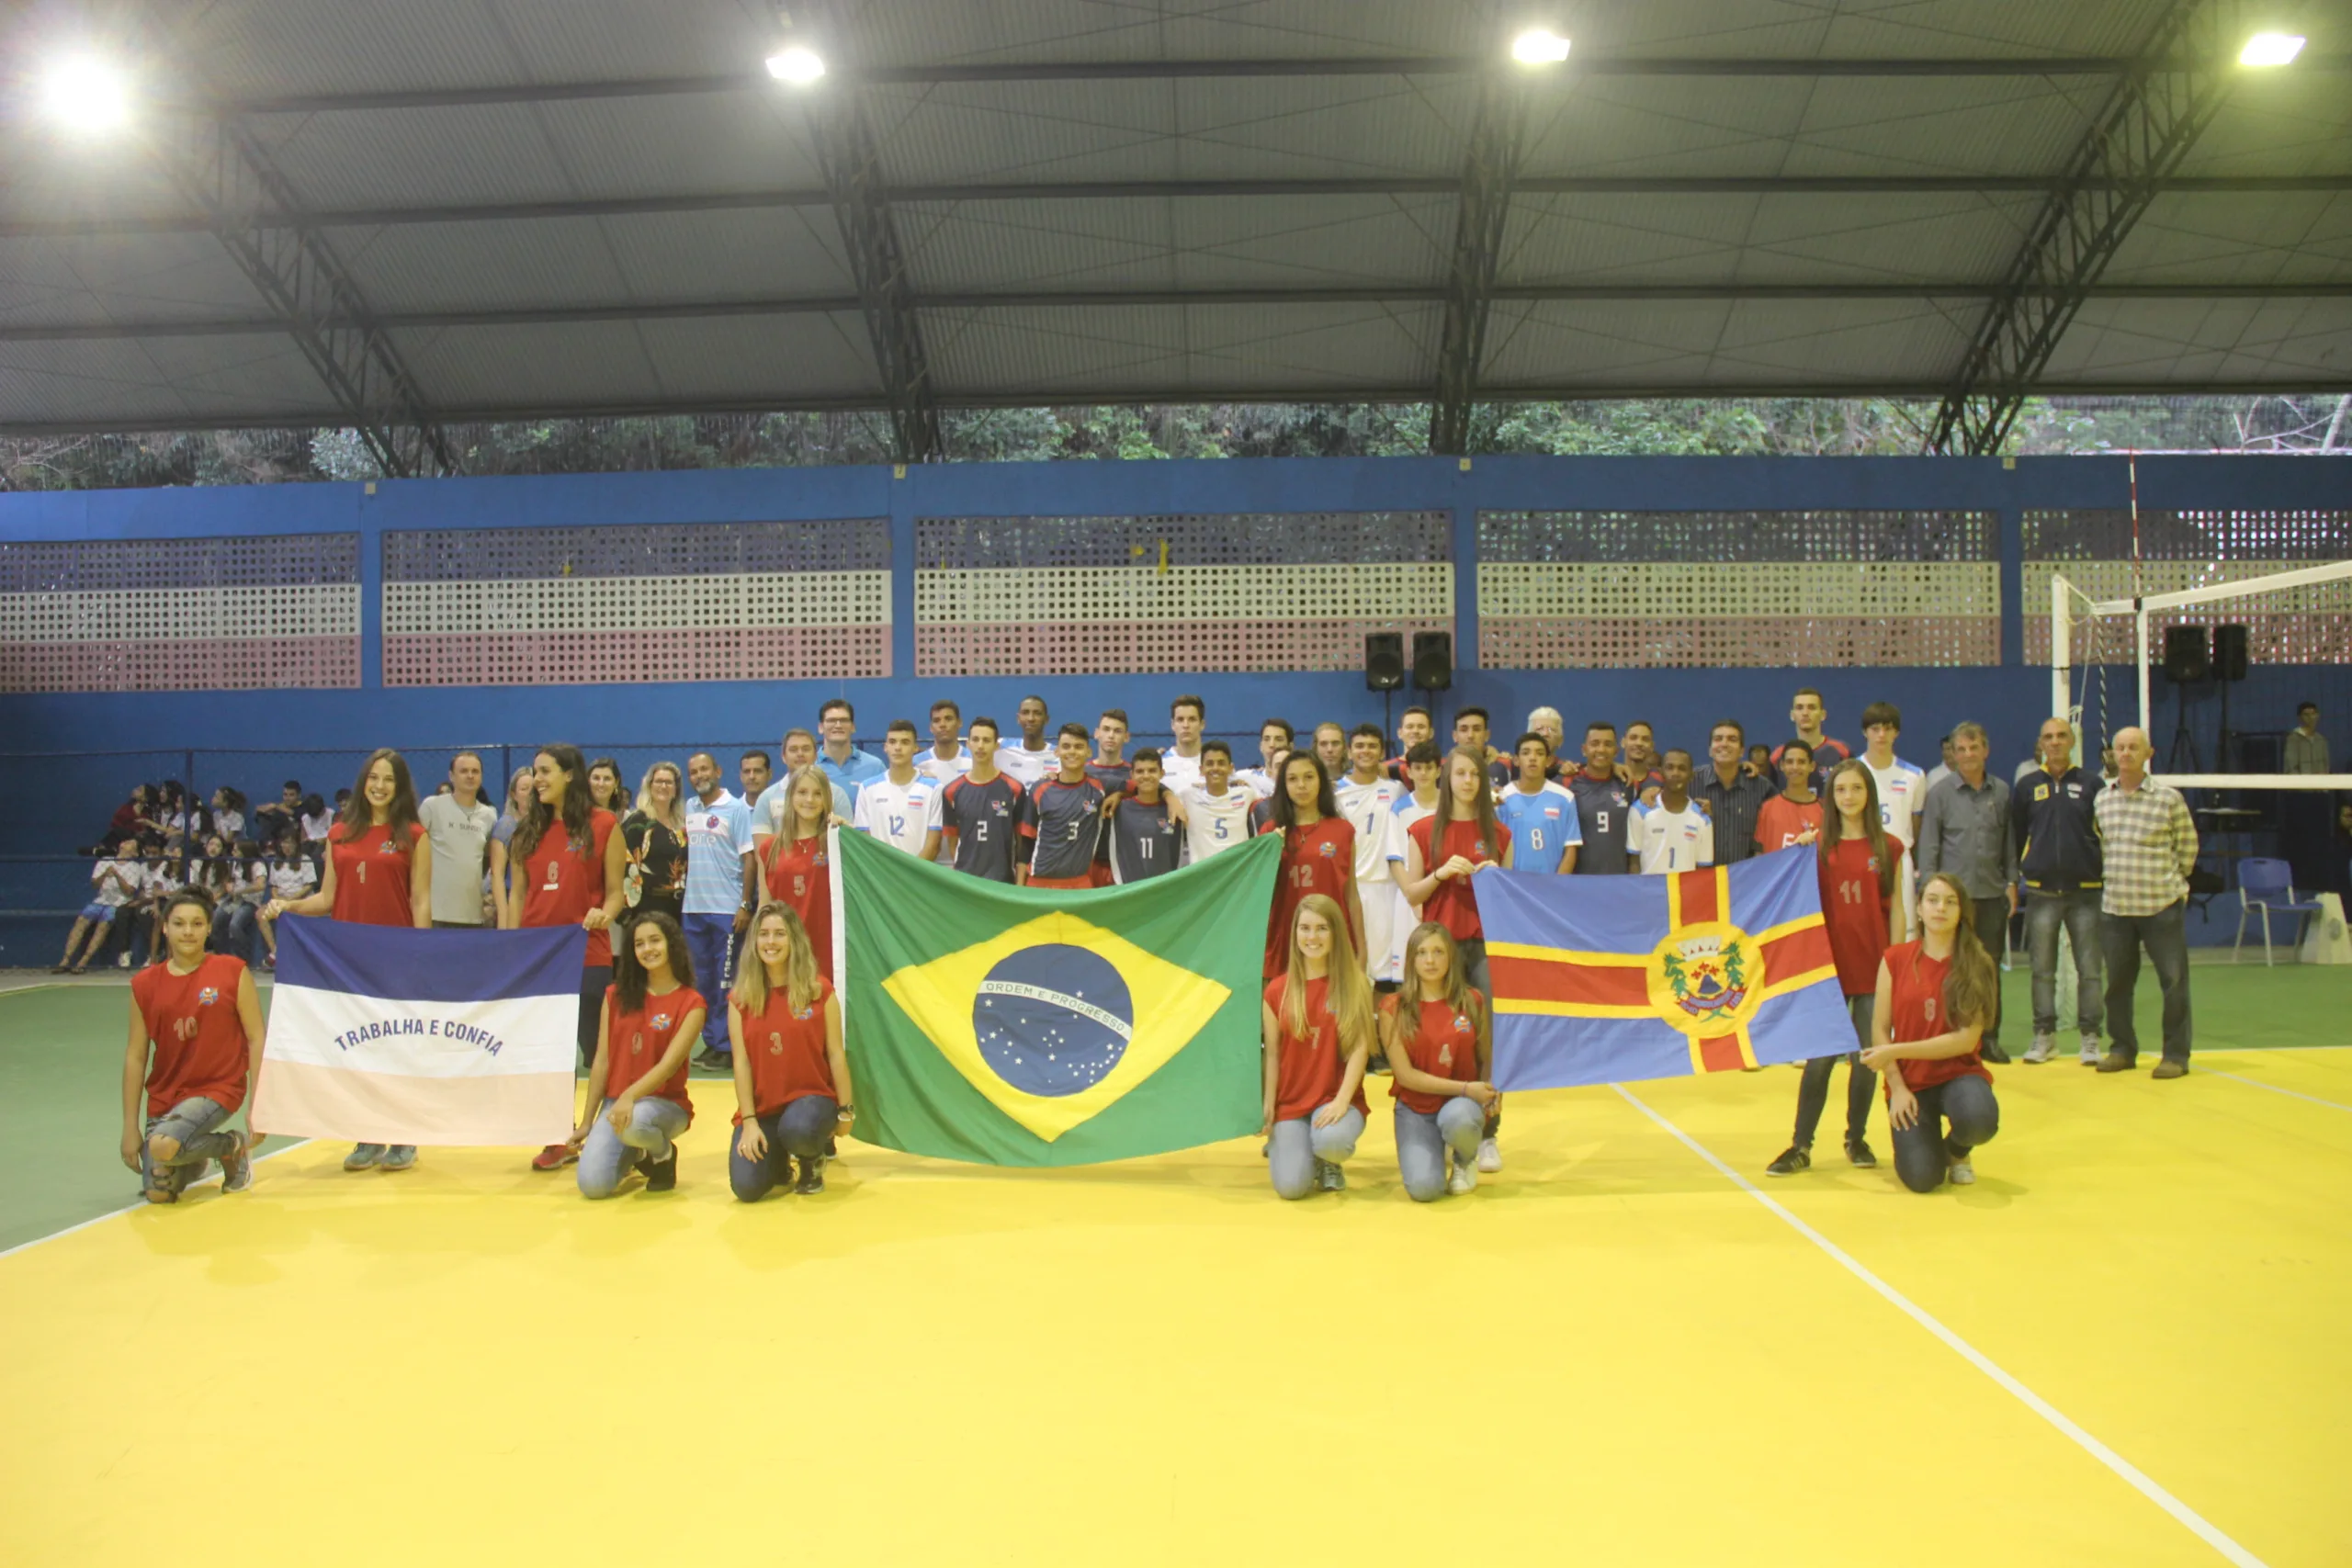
{"points": [[2182, 740]]}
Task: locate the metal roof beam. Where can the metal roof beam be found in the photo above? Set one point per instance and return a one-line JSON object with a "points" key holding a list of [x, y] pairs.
{"points": [[1017, 299], [2141, 136], [1162, 190], [1489, 164], [1034, 71], [219, 166]]}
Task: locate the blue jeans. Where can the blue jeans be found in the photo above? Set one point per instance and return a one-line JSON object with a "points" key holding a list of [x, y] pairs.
{"points": [[2166, 936], [2078, 912], [236, 931], [1422, 1140], [1924, 1149], [799, 1131], [190, 1124], [1298, 1144], [710, 942], [608, 1156]]}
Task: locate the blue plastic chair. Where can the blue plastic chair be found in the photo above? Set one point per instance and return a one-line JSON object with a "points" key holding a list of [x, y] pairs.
{"points": [[2268, 885]]}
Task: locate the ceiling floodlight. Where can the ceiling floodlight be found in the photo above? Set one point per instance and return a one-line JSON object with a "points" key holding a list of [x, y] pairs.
{"points": [[796, 65], [2270, 48], [84, 93], [1539, 46]]}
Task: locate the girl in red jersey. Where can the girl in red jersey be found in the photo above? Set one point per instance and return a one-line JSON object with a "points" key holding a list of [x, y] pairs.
{"points": [[653, 1017], [1440, 1039], [799, 875], [1935, 996], [792, 1088], [1318, 855], [1443, 852], [377, 872], [1319, 1027], [1859, 865], [571, 864], [200, 1016]]}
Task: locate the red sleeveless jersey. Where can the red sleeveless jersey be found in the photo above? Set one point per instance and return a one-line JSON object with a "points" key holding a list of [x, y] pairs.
{"points": [[1320, 859], [199, 1041], [788, 1049], [371, 877], [1311, 1067], [560, 885], [1918, 1008], [1855, 913], [637, 1039], [1444, 1045], [800, 878], [1454, 904]]}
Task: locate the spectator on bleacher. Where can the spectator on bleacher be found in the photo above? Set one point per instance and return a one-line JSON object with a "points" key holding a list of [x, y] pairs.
{"points": [[502, 838], [134, 819], [653, 838], [317, 822], [208, 869], [606, 791], [1965, 832], [166, 874], [292, 876], [228, 814], [245, 884], [458, 824], [270, 822], [115, 885]]}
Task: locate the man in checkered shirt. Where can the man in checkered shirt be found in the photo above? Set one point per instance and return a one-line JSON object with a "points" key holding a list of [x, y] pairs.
{"points": [[2150, 844]]}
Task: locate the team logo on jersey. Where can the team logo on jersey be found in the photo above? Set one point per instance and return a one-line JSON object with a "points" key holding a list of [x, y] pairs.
{"points": [[1000, 807], [1462, 1023], [387, 848], [1699, 978], [660, 1020], [710, 824], [2041, 792], [1329, 852], [1552, 811], [207, 997]]}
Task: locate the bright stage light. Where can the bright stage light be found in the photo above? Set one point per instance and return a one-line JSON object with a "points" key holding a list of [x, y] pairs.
{"points": [[2270, 48], [85, 93], [1539, 46], [796, 65]]}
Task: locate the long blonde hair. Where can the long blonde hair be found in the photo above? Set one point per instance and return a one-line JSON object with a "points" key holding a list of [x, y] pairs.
{"points": [[800, 981], [1968, 986], [676, 820], [1347, 991], [1455, 991]]}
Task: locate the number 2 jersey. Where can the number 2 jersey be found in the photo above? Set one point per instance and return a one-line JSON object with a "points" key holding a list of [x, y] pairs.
{"points": [[985, 821]]}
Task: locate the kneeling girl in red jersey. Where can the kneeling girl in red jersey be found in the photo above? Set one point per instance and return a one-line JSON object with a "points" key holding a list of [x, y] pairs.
{"points": [[198, 1014], [653, 1018], [1439, 1036], [1319, 1027], [792, 1087], [1935, 996]]}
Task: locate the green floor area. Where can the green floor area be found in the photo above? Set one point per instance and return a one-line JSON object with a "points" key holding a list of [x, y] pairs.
{"points": [[61, 1063]]}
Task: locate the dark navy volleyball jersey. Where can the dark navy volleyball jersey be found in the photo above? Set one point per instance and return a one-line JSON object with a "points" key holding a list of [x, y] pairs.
{"points": [[985, 820], [1111, 776], [1145, 840], [1603, 810], [1063, 821]]}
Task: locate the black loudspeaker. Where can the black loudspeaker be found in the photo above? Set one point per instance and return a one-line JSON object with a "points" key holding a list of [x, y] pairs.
{"points": [[1433, 660], [2186, 656], [2229, 653], [1384, 661]]}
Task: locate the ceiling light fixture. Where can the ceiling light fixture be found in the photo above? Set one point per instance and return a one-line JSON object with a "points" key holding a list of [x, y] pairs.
{"points": [[1539, 46], [84, 93], [2270, 48], [797, 65]]}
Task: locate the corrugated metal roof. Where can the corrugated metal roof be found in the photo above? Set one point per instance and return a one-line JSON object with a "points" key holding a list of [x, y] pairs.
{"points": [[1155, 199]]}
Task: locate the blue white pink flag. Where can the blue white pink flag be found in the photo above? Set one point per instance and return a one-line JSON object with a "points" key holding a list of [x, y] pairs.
{"points": [[385, 1036], [1606, 979]]}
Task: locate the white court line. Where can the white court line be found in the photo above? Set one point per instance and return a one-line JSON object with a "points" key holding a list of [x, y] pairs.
{"points": [[128, 1208], [2292, 1094], [2140, 1482]]}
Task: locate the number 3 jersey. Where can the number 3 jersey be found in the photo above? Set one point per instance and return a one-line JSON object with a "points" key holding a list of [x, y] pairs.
{"points": [[985, 821], [1065, 822]]}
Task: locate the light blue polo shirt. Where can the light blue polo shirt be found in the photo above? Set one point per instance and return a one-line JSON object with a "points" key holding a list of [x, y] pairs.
{"points": [[719, 835], [861, 768]]}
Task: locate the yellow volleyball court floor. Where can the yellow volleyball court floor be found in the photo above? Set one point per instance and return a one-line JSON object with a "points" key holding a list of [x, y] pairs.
{"points": [[2127, 1344]]}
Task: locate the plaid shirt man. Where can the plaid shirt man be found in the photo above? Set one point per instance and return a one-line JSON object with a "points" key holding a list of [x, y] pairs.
{"points": [[2150, 844]]}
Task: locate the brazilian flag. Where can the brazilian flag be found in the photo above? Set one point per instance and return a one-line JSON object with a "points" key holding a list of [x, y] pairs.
{"points": [[1012, 1026]]}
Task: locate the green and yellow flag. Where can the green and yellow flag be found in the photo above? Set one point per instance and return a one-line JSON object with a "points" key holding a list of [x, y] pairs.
{"points": [[1008, 1026]]}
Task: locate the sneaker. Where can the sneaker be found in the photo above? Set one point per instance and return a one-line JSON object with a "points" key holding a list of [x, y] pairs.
{"points": [[2168, 1068], [2116, 1062], [555, 1157], [1858, 1154], [1991, 1051], [2042, 1050], [2090, 1050], [400, 1156], [1463, 1178], [712, 1061], [1491, 1156], [363, 1157], [812, 1176], [1794, 1158], [122, 961], [1959, 1172], [661, 1175], [1331, 1176], [237, 1165]]}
